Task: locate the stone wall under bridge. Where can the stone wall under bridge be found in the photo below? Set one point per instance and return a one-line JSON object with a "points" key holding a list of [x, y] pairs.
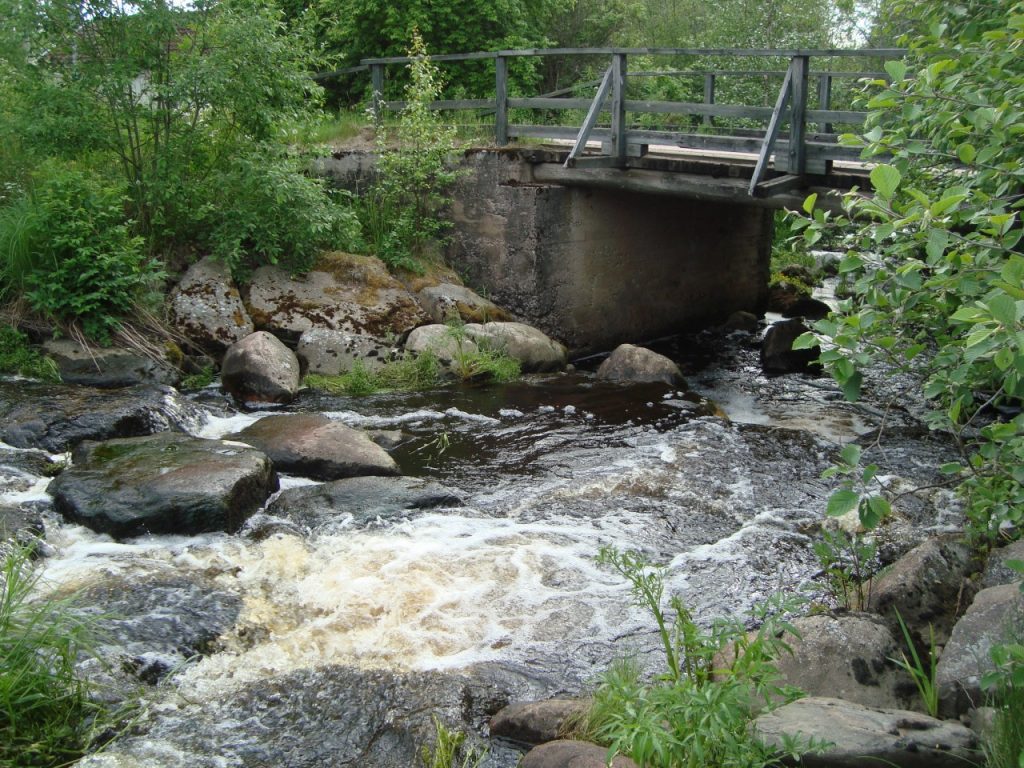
{"points": [[596, 267]]}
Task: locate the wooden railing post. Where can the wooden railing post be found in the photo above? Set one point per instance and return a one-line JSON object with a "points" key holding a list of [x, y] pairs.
{"points": [[501, 101], [825, 99], [709, 96], [377, 86], [619, 107], [798, 116]]}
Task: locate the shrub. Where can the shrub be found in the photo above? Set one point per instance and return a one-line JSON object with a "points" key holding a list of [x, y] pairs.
{"points": [[46, 715], [87, 268]]}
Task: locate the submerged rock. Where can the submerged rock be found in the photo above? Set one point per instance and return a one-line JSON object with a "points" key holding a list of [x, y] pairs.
{"points": [[312, 445], [259, 368], [167, 483], [313, 718], [360, 501], [856, 735], [56, 418], [206, 307], [629, 363], [107, 367], [342, 292], [996, 616]]}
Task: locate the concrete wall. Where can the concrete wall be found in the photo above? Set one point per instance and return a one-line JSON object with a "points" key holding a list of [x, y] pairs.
{"points": [[594, 268]]}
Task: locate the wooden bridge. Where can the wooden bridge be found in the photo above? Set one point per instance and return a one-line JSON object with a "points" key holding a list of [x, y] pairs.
{"points": [[766, 126]]}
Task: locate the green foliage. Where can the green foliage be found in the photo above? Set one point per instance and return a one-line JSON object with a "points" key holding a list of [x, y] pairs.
{"points": [[261, 209], [199, 380], [79, 262], [922, 675], [402, 212], [409, 372], [19, 254], [450, 750], [476, 361], [16, 356], [46, 715], [846, 561], [1004, 741], [935, 256], [717, 681]]}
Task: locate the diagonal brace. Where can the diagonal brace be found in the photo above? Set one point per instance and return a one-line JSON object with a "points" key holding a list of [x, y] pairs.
{"points": [[591, 119]]}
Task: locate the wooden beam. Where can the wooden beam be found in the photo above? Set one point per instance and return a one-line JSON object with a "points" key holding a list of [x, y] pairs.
{"points": [[591, 119], [619, 107], [798, 116], [779, 184], [501, 101], [772, 133]]}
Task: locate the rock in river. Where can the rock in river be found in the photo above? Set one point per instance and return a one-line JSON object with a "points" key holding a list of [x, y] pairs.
{"points": [[167, 483], [260, 368], [56, 418], [207, 308], [312, 445], [630, 363]]}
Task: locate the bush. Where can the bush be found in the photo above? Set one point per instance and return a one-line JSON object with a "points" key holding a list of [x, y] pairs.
{"points": [[85, 267], [262, 210], [46, 715]]}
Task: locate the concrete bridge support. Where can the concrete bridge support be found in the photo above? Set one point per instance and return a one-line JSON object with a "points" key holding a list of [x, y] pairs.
{"points": [[596, 267]]}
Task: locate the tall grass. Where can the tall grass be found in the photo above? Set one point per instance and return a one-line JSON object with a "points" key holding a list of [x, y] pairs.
{"points": [[19, 245], [46, 716]]}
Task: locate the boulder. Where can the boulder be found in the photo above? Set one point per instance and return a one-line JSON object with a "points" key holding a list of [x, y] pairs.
{"points": [[441, 341], [808, 308], [360, 501], [166, 483], [741, 320], [259, 368], [534, 350], [928, 586], [329, 352], [572, 754], [446, 301], [21, 525], [856, 735], [538, 722], [632, 364], [342, 292], [56, 418], [996, 569], [996, 616], [311, 445], [782, 295], [107, 367], [206, 307], [848, 657], [777, 353]]}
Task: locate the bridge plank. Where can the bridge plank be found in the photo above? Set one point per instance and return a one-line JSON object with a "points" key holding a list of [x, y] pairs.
{"points": [[540, 102], [693, 108]]}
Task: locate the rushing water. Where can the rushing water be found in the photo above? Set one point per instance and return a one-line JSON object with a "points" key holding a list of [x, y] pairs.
{"points": [[550, 470]]}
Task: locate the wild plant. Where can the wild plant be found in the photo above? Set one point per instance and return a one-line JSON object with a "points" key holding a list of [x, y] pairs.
{"points": [[1003, 742], [717, 680], [847, 561], [450, 750], [922, 674]]}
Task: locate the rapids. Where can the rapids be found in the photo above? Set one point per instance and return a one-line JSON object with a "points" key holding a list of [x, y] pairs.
{"points": [[305, 648]]}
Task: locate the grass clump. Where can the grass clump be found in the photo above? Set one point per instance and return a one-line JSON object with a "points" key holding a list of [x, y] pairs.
{"points": [[17, 356], [46, 715], [450, 750], [202, 378], [475, 360], [408, 373], [717, 681]]}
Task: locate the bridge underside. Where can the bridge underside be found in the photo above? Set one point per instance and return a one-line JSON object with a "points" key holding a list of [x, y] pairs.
{"points": [[596, 257]]}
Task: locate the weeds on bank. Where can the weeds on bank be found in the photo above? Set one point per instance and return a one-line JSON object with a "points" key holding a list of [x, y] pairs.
{"points": [[1003, 742], [717, 680], [923, 675], [199, 380], [409, 372], [450, 750], [476, 360], [46, 715], [16, 356]]}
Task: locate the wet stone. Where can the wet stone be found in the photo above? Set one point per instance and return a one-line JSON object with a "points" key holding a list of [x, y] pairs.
{"points": [[359, 502], [107, 367], [537, 722], [56, 418], [166, 483]]}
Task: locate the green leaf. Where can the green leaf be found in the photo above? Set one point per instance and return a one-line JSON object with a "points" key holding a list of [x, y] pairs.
{"points": [[897, 70], [951, 468], [938, 239], [850, 454], [842, 502], [805, 341], [885, 179], [872, 513], [966, 153], [851, 387], [1003, 309], [809, 202]]}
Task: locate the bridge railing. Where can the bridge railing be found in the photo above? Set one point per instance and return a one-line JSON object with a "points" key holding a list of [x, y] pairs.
{"points": [[708, 119]]}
